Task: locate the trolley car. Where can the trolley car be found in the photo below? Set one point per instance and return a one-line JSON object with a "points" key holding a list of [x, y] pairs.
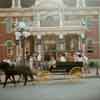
{"points": [[72, 68]]}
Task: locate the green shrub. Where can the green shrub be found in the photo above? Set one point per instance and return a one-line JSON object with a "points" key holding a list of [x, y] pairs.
{"points": [[93, 64]]}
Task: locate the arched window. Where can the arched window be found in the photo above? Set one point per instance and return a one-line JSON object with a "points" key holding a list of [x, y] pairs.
{"points": [[27, 3], [5, 3]]}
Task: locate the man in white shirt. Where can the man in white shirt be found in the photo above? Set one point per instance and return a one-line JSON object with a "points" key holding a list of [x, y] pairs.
{"points": [[79, 58], [62, 58], [85, 63], [8, 61], [39, 59]]}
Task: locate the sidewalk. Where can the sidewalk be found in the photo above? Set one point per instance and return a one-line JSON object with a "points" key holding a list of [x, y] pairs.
{"points": [[92, 73], [62, 76]]}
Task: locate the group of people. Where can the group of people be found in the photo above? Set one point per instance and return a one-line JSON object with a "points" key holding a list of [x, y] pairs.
{"points": [[36, 61]]}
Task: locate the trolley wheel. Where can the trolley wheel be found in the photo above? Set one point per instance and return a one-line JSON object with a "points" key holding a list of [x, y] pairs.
{"points": [[75, 72]]}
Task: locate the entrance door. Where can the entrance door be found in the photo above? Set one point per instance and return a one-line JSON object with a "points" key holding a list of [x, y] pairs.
{"points": [[72, 42], [50, 45]]}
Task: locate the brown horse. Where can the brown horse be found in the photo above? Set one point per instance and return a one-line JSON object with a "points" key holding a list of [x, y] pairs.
{"points": [[12, 70]]}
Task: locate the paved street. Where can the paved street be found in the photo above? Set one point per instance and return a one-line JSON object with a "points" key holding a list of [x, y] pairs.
{"points": [[85, 89]]}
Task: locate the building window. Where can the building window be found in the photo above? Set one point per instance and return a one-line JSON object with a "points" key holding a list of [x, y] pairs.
{"points": [[5, 3], [27, 3], [49, 21], [28, 21], [70, 3], [16, 3], [93, 3], [90, 46], [71, 20], [9, 24]]}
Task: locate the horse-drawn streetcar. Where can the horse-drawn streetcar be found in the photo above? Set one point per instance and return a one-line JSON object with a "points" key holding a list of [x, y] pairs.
{"points": [[69, 68]]}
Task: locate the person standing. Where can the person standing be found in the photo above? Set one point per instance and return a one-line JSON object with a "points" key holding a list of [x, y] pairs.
{"points": [[31, 62], [39, 59], [85, 64], [79, 58], [63, 58], [52, 63]]}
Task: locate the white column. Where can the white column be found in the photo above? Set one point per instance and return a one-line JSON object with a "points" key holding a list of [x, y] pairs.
{"points": [[19, 4], [72, 44], [18, 46], [39, 45], [61, 18], [84, 3], [15, 21], [38, 19], [79, 43], [13, 4], [61, 36], [78, 3], [61, 43], [18, 49]]}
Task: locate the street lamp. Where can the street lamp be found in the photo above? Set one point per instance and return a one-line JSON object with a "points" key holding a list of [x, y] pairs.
{"points": [[20, 38], [39, 43], [83, 38], [83, 42]]}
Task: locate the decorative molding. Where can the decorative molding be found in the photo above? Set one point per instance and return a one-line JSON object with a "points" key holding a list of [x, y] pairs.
{"points": [[32, 11]]}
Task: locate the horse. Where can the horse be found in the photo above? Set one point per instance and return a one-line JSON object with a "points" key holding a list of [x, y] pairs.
{"points": [[11, 70]]}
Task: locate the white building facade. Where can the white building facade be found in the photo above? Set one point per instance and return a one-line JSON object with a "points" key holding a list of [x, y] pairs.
{"points": [[58, 25]]}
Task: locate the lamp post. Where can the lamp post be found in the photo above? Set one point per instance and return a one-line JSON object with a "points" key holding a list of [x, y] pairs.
{"points": [[83, 42], [20, 37], [39, 43]]}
